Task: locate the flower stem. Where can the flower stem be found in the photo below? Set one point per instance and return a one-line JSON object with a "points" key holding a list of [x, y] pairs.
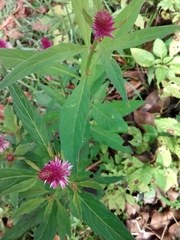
{"points": [[92, 51]]}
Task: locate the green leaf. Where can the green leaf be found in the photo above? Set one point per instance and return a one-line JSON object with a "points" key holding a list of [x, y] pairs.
{"points": [[142, 57], [141, 36], [112, 140], [58, 69], [21, 187], [32, 121], [107, 180], [87, 17], [97, 5], [161, 73], [41, 60], [63, 221], [28, 206], [73, 122], [166, 179], [168, 125], [163, 156], [23, 149], [125, 109], [48, 227], [159, 48], [125, 20], [10, 58], [91, 184], [78, 6], [101, 220], [26, 223], [14, 173], [108, 118], [113, 71], [10, 120]]}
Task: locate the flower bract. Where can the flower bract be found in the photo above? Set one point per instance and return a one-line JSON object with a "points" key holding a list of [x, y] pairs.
{"points": [[4, 44], [45, 43], [103, 23], [3, 144], [56, 173]]}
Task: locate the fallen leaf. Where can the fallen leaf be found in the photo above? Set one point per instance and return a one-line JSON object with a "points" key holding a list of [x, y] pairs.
{"points": [[38, 26], [56, 237], [174, 230], [160, 219], [2, 4], [2, 111], [141, 117], [172, 195]]}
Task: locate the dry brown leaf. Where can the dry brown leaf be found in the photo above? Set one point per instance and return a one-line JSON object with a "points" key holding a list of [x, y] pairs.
{"points": [[174, 230], [135, 85], [141, 117], [144, 236], [38, 26], [160, 220], [8, 20], [15, 34], [172, 195], [132, 209], [153, 103], [2, 4], [56, 237], [2, 111], [41, 10], [150, 100]]}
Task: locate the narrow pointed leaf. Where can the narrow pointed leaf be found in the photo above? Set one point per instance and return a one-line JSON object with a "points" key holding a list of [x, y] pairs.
{"points": [[125, 20], [63, 220], [9, 58], [48, 227], [141, 36], [112, 140], [113, 71], [101, 220], [20, 187], [26, 223], [109, 118], [32, 121], [73, 121], [78, 6], [14, 173], [41, 60], [28, 206]]}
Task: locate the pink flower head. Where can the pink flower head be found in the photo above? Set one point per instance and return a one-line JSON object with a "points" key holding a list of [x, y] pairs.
{"points": [[4, 44], [103, 24], [45, 43], [3, 144], [56, 173]]}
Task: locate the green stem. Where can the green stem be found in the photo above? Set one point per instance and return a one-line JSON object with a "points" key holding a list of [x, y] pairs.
{"points": [[92, 50], [62, 86]]}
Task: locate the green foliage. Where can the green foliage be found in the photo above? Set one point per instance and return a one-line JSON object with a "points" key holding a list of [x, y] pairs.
{"points": [[80, 125], [166, 67]]}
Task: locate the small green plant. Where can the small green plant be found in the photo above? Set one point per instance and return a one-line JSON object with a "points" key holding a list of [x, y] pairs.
{"points": [[160, 63], [47, 146]]}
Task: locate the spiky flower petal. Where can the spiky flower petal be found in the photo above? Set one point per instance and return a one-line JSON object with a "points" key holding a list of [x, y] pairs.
{"points": [[4, 44], [3, 144], [45, 43], [103, 23], [56, 173]]}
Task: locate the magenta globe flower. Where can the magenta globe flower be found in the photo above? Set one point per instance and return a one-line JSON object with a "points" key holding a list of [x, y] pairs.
{"points": [[4, 44], [45, 43], [103, 23], [56, 173], [3, 144]]}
